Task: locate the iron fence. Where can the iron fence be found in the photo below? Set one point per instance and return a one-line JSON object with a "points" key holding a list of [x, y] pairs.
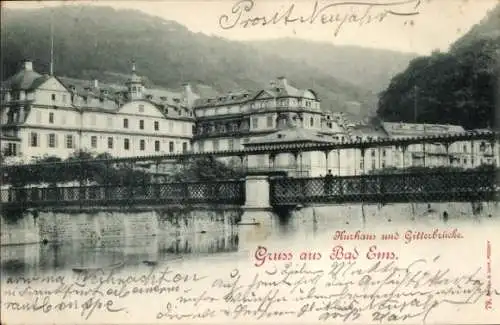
{"points": [[384, 188], [221, 192]]}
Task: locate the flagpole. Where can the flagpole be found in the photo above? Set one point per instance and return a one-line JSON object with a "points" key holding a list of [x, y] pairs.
{"points": [[52, 43]]}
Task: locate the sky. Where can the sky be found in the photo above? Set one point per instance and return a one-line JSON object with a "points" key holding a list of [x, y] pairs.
{"points": [[434, 25]]}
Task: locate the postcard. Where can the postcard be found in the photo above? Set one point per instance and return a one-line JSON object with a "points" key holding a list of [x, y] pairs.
{"points": [[250, 162]]}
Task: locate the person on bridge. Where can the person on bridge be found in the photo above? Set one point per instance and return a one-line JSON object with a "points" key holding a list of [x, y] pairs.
{"points": [[328, 182]]}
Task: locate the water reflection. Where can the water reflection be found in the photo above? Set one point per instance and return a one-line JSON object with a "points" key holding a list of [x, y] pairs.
{"points": [[303, 226], [59, 256]]}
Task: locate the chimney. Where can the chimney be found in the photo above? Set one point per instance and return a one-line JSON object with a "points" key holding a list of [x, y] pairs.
{"points": [[187, 88], [189, 95], [28, 65], [272, 83], [96, 83], [282, 82]]}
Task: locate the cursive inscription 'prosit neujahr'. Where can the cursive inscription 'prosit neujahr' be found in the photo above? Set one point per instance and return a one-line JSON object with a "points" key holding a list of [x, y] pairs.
{"points": [[336, 13]]}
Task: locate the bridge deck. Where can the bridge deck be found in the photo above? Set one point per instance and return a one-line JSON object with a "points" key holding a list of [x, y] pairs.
{"points": [[465, 186]]}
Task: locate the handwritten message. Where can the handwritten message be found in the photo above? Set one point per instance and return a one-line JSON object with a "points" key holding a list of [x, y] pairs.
{"points": [[344, 283], [336, 13]]}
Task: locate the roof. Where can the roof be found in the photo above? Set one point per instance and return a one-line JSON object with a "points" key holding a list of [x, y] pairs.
{"points": [[291, 134], [279, 89], [365, 130], [226, 99], [117, 93], [24, 80], [408, 129], [165, 96]]}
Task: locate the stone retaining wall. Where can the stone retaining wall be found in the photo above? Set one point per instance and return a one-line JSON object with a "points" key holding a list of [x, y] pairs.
{"points": [[64, 226]]}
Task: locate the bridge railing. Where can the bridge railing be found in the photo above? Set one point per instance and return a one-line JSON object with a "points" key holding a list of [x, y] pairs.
{"points": [[406, 187], [221, 192]]}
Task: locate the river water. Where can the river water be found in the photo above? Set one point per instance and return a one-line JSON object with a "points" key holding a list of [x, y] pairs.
{"points": [[222, 241]]}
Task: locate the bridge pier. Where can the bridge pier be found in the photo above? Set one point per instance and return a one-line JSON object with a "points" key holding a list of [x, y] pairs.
{"points": [[258, 220]]}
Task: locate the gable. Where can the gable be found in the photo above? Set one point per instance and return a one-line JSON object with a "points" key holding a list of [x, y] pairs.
{"points": [[141, 107], [51, 92], [264, 94], [52, 84]]}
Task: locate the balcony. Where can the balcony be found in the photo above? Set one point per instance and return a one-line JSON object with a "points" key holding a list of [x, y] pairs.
{"points": [[219, 133]]}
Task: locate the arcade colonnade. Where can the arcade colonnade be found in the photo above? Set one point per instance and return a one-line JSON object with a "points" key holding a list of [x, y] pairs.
{"points": [[358, 161]]}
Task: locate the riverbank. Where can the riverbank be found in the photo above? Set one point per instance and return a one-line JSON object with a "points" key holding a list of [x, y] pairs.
{"points": [[54, 226]]}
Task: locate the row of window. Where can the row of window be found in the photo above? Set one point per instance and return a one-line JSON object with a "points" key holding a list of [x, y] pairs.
{"points": [[280, 103], [142, 144], [126, 124], [270, 122], [53, 97], [231, 144], [52, 142], [374, 164], [260, 104], [255, 122], [156, 124]]}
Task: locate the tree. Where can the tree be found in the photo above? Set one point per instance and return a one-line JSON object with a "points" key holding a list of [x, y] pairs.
{"points": [[457, 87], [206, 169]]}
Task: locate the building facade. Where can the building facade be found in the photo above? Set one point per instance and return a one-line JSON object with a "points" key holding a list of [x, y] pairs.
{"points": [[227, 122], [45, 115], [460, 154]]}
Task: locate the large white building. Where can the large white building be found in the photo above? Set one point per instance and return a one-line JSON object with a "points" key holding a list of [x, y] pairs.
{"points": [[464, 154], [43, 115], [229, 121]]}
